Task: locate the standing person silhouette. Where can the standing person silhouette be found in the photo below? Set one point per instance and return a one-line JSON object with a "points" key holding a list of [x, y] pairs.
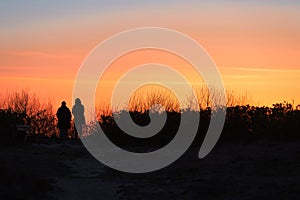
{"points": [[64, 120], [79, 119]]}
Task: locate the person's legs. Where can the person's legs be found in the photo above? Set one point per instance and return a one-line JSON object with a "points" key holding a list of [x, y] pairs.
{"points": [[76, 133], [80, 130], [63, 134]]}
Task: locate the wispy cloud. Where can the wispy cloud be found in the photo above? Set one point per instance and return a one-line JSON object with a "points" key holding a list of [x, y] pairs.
{"points": [[26, 78], [261, 69], [33, 53]]}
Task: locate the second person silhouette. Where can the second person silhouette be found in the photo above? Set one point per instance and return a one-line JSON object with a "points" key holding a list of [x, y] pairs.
{"points": [[79, 119]]}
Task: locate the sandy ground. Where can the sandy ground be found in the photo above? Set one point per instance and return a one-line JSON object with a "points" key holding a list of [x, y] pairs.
{"points": [[259, 170]]}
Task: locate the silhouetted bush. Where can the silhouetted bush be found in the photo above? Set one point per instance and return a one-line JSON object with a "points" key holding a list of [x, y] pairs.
{"points": [[25, 108], [243, 122]]}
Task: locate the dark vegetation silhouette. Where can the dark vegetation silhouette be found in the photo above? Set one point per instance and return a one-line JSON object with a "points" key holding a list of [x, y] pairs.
{"points": [[244, 123], [23, 107]]}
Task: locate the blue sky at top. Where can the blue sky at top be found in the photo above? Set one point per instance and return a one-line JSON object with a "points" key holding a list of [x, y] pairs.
{"points": [[15, 12]]}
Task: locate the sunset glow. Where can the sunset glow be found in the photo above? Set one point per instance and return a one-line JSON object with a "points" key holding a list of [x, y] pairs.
{"points": [[255, 45]]}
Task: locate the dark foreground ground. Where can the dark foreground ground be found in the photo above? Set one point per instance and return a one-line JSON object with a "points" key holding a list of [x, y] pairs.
{"points": [[259, 170]]}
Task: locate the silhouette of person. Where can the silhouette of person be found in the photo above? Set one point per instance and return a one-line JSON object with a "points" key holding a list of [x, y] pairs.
{"points": [[79, 119], [64, 120]]}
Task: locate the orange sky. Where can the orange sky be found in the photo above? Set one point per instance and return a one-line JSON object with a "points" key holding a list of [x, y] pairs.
{"points": [[256, 47]]}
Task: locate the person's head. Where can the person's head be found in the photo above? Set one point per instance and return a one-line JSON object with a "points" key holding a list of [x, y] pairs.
{"points": [[77, 101], [63, 103]]}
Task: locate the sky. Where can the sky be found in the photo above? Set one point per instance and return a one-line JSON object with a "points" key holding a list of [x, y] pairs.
{"points": [[255, 44]]}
